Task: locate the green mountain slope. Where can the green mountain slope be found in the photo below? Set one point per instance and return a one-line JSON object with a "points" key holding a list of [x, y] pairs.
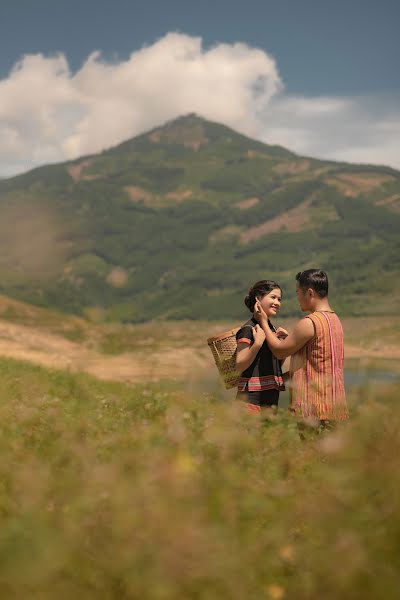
{"points": [[180, 221]]}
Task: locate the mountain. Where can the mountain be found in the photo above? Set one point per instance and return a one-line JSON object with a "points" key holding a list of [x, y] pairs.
{"points": [[180, 221]]}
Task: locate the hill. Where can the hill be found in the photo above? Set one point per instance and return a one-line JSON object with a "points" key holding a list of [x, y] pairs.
{"points": [[178, 222]]}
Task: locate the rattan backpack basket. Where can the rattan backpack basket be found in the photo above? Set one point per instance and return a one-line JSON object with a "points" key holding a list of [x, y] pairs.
{"points": [[223, 347]]}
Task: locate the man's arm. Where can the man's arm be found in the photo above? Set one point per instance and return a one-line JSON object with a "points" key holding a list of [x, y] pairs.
{"points": [[281, 348]]}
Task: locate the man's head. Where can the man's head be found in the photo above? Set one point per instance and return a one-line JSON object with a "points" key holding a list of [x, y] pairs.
{"points": [[312, 285]]}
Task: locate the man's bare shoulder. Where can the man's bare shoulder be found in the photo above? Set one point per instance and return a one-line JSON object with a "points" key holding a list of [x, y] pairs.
{"points": [[304, 328]]}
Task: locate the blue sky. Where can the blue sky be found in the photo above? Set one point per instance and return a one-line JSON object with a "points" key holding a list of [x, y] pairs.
{"points": [[332, 89], [333, 46]]}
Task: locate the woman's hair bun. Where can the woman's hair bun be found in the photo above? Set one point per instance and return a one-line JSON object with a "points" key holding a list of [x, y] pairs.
{"points": [[248, 301]]}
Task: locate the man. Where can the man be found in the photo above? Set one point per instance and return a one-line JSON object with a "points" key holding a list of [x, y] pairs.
{"points": [[316, 349]]}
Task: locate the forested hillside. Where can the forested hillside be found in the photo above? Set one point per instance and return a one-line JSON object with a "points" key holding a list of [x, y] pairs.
{"points": [[178, 222]]}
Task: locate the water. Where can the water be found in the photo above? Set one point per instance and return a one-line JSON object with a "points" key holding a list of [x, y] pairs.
{"points": [[368, 376], [358, 373], [361, 372]]}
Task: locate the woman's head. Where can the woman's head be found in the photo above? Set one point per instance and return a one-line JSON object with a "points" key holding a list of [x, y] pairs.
{"points": [[269, 293]]}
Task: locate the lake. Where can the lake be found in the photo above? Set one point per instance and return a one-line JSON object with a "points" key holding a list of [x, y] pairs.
{"points": [[359, 372]]}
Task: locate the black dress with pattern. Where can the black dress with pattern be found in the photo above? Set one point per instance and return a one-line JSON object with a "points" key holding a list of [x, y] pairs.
{"points": [[260, 383]]}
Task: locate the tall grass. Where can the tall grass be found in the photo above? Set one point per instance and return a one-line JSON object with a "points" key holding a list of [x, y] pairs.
{"points": [[113, 492]]}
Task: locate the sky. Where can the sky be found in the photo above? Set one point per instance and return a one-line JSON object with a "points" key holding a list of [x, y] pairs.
{"points": [[321, 78]]}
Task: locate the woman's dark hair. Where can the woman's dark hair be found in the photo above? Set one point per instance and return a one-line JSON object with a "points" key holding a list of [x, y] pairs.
{"points": [[316, 279], [260, 289]]}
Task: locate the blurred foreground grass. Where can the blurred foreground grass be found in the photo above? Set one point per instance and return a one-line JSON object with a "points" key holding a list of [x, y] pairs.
{"points": [[113, 492]]}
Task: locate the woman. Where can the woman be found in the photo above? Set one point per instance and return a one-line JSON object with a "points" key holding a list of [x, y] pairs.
{"points": [[261, 376]]}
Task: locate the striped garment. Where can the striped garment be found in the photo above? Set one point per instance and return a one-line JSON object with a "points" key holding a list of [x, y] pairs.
{"points": [[261, 383], [316, 371], [265, 371]]}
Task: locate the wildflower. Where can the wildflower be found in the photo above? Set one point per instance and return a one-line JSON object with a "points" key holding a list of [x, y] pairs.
{"points": [[287, 553], [275, 591]]}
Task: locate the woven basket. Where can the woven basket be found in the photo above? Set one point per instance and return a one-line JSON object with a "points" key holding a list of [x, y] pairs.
{"points": [[223, 348]]}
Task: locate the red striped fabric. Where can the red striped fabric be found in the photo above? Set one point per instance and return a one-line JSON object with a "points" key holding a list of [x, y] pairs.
{"points": [[258, 384], [316, 371], [245, 340], [253, 408]]}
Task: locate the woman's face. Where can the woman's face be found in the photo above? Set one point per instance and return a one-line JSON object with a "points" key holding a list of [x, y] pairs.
{"points": [[271, 302]]}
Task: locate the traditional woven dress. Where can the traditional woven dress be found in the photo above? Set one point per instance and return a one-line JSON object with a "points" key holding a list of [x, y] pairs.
{"points": [[316, 371], [260, 383]]}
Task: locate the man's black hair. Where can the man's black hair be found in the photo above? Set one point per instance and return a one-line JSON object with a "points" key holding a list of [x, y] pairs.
{"points": [[316, 279]]}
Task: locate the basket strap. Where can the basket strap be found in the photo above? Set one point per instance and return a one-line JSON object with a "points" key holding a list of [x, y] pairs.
{"points": [[216, 349]]}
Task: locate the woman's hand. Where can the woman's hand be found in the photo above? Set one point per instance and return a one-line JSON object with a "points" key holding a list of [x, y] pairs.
{"points": [[259, 313], [258, 335]]}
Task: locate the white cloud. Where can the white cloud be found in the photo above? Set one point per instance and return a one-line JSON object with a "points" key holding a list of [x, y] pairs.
{"points": [[363, 129], [48, 114]]}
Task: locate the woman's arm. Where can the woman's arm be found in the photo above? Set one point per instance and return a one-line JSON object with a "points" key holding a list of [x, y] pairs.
{"points": [[246, 353], [281, 348]]}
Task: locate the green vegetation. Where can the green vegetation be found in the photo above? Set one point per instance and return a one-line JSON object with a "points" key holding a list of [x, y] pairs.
{"points": [[165, 209], [70, 327], [147, 492]]}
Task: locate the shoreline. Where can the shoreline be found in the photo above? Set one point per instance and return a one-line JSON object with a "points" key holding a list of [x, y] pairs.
{"points": [[165, 350]]}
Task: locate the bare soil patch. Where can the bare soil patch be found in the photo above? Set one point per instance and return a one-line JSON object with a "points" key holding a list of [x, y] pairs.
{"points": [[50, 350], [179, 195], [77, 171], [117, 277], [353, 184], [293, 220], [256, 154], [391, 202], [225, 233], [167, 350], [138, 194], [248, 203], [292, 167]]}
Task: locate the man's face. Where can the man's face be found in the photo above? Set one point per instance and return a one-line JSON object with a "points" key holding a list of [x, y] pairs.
{"points": [[302, 298]]}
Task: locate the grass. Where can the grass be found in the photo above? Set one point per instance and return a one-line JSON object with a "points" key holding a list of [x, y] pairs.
{"points": [[110, 491], [366, 331], [72, 328], [377, 336]]}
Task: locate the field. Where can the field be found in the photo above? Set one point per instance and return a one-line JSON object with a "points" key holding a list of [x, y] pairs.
{"points": [[162, 349], [116, 491], [157, 485]]}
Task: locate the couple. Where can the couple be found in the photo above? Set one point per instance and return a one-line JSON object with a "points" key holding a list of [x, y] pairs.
{"points": [[315, 347]]}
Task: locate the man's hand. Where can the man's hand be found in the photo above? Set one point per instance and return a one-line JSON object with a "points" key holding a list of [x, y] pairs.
{"points": [[259, 313]]}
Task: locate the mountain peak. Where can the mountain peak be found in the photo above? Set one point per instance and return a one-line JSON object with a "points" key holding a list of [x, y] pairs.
{"points": [[188, 119], [189, 130], [194, 132]]}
